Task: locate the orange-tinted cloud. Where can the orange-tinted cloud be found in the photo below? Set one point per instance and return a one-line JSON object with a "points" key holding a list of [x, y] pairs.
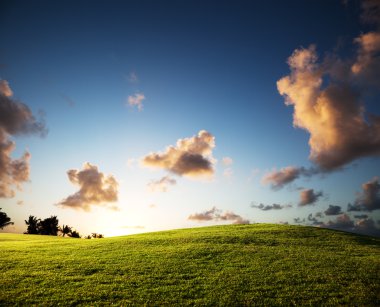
{"points": [[190, 157], [369, 198], [333, 113], [15, 119], [309, 197], [162, 184], [96, 189], [286, 175], [216, 214], [136, 100]]}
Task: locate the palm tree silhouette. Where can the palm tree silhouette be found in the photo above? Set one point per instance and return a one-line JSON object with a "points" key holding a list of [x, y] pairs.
{"points": [[4, 220], [33, 225], [65, 230]]}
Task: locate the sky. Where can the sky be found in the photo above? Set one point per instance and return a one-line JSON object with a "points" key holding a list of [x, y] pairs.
{"points": [[122, 117]]}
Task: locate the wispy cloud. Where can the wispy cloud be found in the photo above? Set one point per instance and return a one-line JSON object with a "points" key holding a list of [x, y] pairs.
{"points": [[15, 119], [190, 157], [136, 100], [215, 214], [270, 207], [96, 189], [309, 197], [162, 184], [286, 175]]}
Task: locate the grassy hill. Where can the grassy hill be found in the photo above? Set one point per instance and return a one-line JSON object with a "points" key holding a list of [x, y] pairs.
{"points": [[221, 265]]}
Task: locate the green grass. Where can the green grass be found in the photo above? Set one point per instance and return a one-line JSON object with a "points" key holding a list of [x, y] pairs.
{"points": [[221, 265]]}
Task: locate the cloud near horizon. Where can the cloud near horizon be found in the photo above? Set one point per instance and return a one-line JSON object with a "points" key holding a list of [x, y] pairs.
{"points": [[15, 119], [215, 214], [369, 198], [340, 128], [96, 189], [309, 197], [162, 184], [333, 210], [190, 157]]}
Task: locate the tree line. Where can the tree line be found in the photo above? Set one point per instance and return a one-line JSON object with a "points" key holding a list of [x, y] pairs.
{"points": [[49, 227]]}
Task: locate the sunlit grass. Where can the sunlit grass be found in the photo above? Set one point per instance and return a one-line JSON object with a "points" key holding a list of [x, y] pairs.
{"points": [[221, 265]]}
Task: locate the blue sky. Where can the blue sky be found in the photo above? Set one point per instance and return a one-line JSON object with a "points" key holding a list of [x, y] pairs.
{"points": [[200, 65]]}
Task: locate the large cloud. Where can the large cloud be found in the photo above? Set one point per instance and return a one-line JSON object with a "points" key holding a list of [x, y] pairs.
{"points": [[334, 114], [15, 119], [190, 157], [161, 184], [217, 215], [96, 189], [369, 199], [309, 197]]}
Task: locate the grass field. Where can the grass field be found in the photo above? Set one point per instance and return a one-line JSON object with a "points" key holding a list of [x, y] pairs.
{"points": [[233, 265]]}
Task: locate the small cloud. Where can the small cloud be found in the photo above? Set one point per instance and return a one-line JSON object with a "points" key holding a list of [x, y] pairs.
{"points": [[270, 207], [286, 175], [369, 198], [162, 184], [228, 172], [216, 214], [151, 206], [132, 77], [333, 210], [190, 157], [20, 202], [309, 197], [298, 220], [131, 163], [70, 102], [96, 189], [227, 161], [136, 100], [342, 222], [314, 221]]}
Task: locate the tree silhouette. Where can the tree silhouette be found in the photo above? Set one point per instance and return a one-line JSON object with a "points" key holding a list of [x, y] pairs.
{"points": [[74, 234], [97, 235], [4, 220], [33, 225], [65, 230], [49, 226]]}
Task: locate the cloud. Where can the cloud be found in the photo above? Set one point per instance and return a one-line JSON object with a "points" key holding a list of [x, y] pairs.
{"points": [[228, 172], [286, 175], [298, 220], [371, 12], [96, 189], [361, 216], [162, 184], [333, 210], [328, 102], [190, 157], [270, 207], [217, 215], [133, 227], [15, 119], [309, 197], [136, 100], [227, 161], [342, 222], [314, 221], [369, 199], [132, 77]]}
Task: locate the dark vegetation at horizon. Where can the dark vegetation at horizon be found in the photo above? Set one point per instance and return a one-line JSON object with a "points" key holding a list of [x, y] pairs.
{"points": [[49, 226], [219, 265]]}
